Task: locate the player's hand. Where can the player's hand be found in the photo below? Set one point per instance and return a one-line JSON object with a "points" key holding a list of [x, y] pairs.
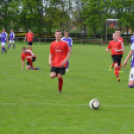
{"points": [[63, 63], [50, 63], [107, 50], [22, 68], [129, 44], [124, 63]]}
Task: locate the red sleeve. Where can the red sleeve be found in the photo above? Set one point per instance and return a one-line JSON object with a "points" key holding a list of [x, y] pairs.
{"points": [[67, 47], [51, 49], [109, 45], [22, 57]]}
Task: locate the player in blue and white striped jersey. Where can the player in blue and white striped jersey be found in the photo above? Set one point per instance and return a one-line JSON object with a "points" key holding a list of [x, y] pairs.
{"points": [[4, 39], [12, 38], [69, 41]]}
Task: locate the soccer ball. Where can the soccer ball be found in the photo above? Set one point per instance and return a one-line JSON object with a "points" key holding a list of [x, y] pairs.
{"points": [[94, 104]]}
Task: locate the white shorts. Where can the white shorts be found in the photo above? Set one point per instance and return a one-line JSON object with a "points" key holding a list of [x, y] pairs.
{"points": [[131, 75], [11, 41], [3, 44]]}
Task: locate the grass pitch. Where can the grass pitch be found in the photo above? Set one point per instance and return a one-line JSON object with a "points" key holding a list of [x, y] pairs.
{"points": [[30, 103]]}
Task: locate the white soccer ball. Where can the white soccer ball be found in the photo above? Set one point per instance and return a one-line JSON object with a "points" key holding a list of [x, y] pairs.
{"points": [[94, 104]]}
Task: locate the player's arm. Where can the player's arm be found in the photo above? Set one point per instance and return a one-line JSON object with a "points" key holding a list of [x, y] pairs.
{"points": [[108, 47], [129, 56], [50, 60], [25, 38], [13, 36], [23, 63], [71, 46], [66, 59]]}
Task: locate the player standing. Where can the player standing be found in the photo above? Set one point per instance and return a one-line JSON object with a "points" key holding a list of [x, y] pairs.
{"points": [[29, 37], [30, 57], [69, 41], [12, 38], [116, 52], [122, 41], [4, 39], [131, 74], [58, 57]]}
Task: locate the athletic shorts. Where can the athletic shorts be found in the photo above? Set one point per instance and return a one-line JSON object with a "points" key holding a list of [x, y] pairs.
{"points": [[30, 43], [11, 41], [117, 59], [3, 44], [33, 59], [131, 74], [58, 70]]}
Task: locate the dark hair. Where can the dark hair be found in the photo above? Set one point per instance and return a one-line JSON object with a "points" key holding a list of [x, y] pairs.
{"points": [[23, 48], [58, 31], [66, 31]]}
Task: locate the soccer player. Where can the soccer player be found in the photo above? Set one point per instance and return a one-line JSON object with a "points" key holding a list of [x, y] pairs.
{"points": [[30, 57], [69, 41], [122, 42], [4, 39], [116, 52], [131, 74], [29, 37], [58, 57], [12, 38]]}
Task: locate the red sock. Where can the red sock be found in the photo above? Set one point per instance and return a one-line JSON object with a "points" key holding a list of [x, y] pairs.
{"points": [[60, 84], [35, 68], [120, 67], [112, 65], [30, 61], [117, 71]]}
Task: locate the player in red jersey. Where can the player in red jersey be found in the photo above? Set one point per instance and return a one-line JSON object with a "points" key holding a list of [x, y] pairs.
{"points": [[122, 41], [116, 52], [29, 37], [30, 57], [59, 55]]}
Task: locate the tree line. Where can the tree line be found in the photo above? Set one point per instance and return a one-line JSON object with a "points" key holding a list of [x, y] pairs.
{"points": [[81, 16]]}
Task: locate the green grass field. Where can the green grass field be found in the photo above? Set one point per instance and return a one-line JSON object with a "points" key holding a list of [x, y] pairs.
{"points": [[30, 103]]}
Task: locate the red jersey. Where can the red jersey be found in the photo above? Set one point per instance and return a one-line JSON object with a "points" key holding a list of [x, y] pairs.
{"points": [[121, 39], [28, 53], [29, 37], [115, 45], [59, 52]]}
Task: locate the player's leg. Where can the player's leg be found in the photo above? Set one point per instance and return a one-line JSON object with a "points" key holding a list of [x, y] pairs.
{"points": [[29, 46], [116, 70], [67, 66], [111, 67], [9, 44], [28, 67], [131, 78], [3, 47], [61, 72], [13, 44], [53, 72]]}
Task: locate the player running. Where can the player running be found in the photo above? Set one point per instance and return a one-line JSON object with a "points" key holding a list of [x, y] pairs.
{"points": [[12, 38], [59, 55], [4, 39], [30, 57], [116, 52], [122, 41], [69, 41], [131, 74], [29, 37]]}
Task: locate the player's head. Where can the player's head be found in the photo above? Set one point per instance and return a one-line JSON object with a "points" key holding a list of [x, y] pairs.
{"points": [[29, 30], [11, 30], [115, 36], [66, 34], [118, 33], [58, 34], [23, 49], [3, 30]]}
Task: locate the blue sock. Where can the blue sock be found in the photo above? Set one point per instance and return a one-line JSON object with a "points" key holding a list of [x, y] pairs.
{"points": [[130, 86], [9, 46], [13, 46]]}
